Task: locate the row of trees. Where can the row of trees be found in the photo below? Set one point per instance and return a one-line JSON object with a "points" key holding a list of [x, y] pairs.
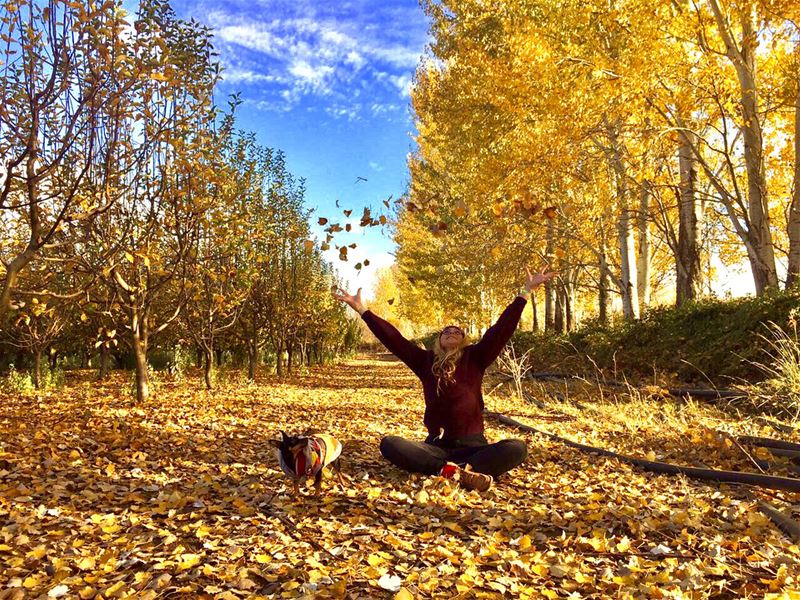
{"points": [[631, 144], [132, 210]]}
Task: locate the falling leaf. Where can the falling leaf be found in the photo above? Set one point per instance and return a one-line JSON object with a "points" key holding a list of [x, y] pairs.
{"points": [[308, 245], [322, 221], [550, 212], [390, 301]]}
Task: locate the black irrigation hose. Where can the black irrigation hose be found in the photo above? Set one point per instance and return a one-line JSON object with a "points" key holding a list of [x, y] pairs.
{"points": [[773, 482], [768, 442], [785, 523], [677, 392]]}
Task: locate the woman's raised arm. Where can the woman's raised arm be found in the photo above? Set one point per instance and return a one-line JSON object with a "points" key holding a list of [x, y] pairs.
{"points": [[407, 351], [497, 336]]}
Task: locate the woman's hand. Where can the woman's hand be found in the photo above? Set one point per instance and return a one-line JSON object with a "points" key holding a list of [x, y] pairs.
{"points": [[353, 301], [534, 280]]}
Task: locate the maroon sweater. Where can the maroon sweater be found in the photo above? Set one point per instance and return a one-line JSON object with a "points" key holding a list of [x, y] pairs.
{"points": [[459, 407]]}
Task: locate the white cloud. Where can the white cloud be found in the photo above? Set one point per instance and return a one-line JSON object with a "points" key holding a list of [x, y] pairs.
{"points": [[397, 56], [380, 109], [355, 59], [402, 83], [313, 76], [375, 166], [306, 52], [349, 112], [234, 75]]}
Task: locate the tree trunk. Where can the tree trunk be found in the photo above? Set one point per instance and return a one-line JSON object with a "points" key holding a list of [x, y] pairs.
{"points": [[252, 355], [290, 357], [104, 355], [688, 283], [559, 324], [37, 368], [793, 274], [760, 248], [603, 283], [643, 259], [625, 235], [279, 360], [569, 304], [549, 286], [208, 366], [535, 319], [219, 352], [140, 355]]}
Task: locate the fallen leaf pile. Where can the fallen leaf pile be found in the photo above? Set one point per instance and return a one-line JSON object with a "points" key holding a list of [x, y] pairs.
{"points": [[182, 497]]}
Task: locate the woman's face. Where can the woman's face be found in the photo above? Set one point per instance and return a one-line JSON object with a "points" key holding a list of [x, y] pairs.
{"points": [[450, 337]]}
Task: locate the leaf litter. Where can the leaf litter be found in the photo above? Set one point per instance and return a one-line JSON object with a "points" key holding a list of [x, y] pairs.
{"points": [[183, 497]]}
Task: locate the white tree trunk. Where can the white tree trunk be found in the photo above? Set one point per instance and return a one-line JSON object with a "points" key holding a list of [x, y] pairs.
{"points": [[643, 259]]}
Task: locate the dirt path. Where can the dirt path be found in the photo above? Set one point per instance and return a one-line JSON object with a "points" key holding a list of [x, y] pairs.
{"points": [[182, 498]]}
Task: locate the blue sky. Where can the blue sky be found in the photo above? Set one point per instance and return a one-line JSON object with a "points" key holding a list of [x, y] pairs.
{"points": [[327, 83]]}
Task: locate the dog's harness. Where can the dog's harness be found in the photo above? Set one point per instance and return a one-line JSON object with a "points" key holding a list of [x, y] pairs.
{"points": [[311, 459]]}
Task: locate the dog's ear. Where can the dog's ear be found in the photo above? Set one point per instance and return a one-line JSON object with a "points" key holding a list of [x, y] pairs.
{"points": [[283, 433], [275, 443]]}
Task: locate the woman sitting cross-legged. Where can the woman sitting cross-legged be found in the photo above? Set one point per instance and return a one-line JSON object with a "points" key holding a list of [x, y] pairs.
{"points": [[451, 376]]}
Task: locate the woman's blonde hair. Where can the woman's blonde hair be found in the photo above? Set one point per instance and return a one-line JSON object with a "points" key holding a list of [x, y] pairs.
{"points": [[446, 361]]}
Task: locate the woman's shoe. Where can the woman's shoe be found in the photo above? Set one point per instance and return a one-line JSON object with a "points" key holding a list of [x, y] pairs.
{"points": [[466, 477]]}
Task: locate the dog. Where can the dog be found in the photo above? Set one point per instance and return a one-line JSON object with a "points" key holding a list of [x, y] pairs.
{"points": [[301, 457]]}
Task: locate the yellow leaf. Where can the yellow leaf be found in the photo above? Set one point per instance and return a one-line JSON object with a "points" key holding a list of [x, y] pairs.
{"points": [[188, 561], [581, 578], [524, 542], [129, 257], [404, 594], [87, 563], [375, 560], [263, 558], [115, 590], [541, 570]]}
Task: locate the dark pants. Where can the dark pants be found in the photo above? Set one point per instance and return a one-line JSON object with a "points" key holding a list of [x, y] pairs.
{"points": [[429, 457]]}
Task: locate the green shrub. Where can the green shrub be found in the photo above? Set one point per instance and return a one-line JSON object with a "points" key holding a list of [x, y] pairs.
{"points": [[51, 378], [712, 338], [782, 369], [182, 360], [17, 382]]}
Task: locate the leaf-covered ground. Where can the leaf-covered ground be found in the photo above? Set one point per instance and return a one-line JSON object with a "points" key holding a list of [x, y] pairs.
{"points": [[183, 498]]}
